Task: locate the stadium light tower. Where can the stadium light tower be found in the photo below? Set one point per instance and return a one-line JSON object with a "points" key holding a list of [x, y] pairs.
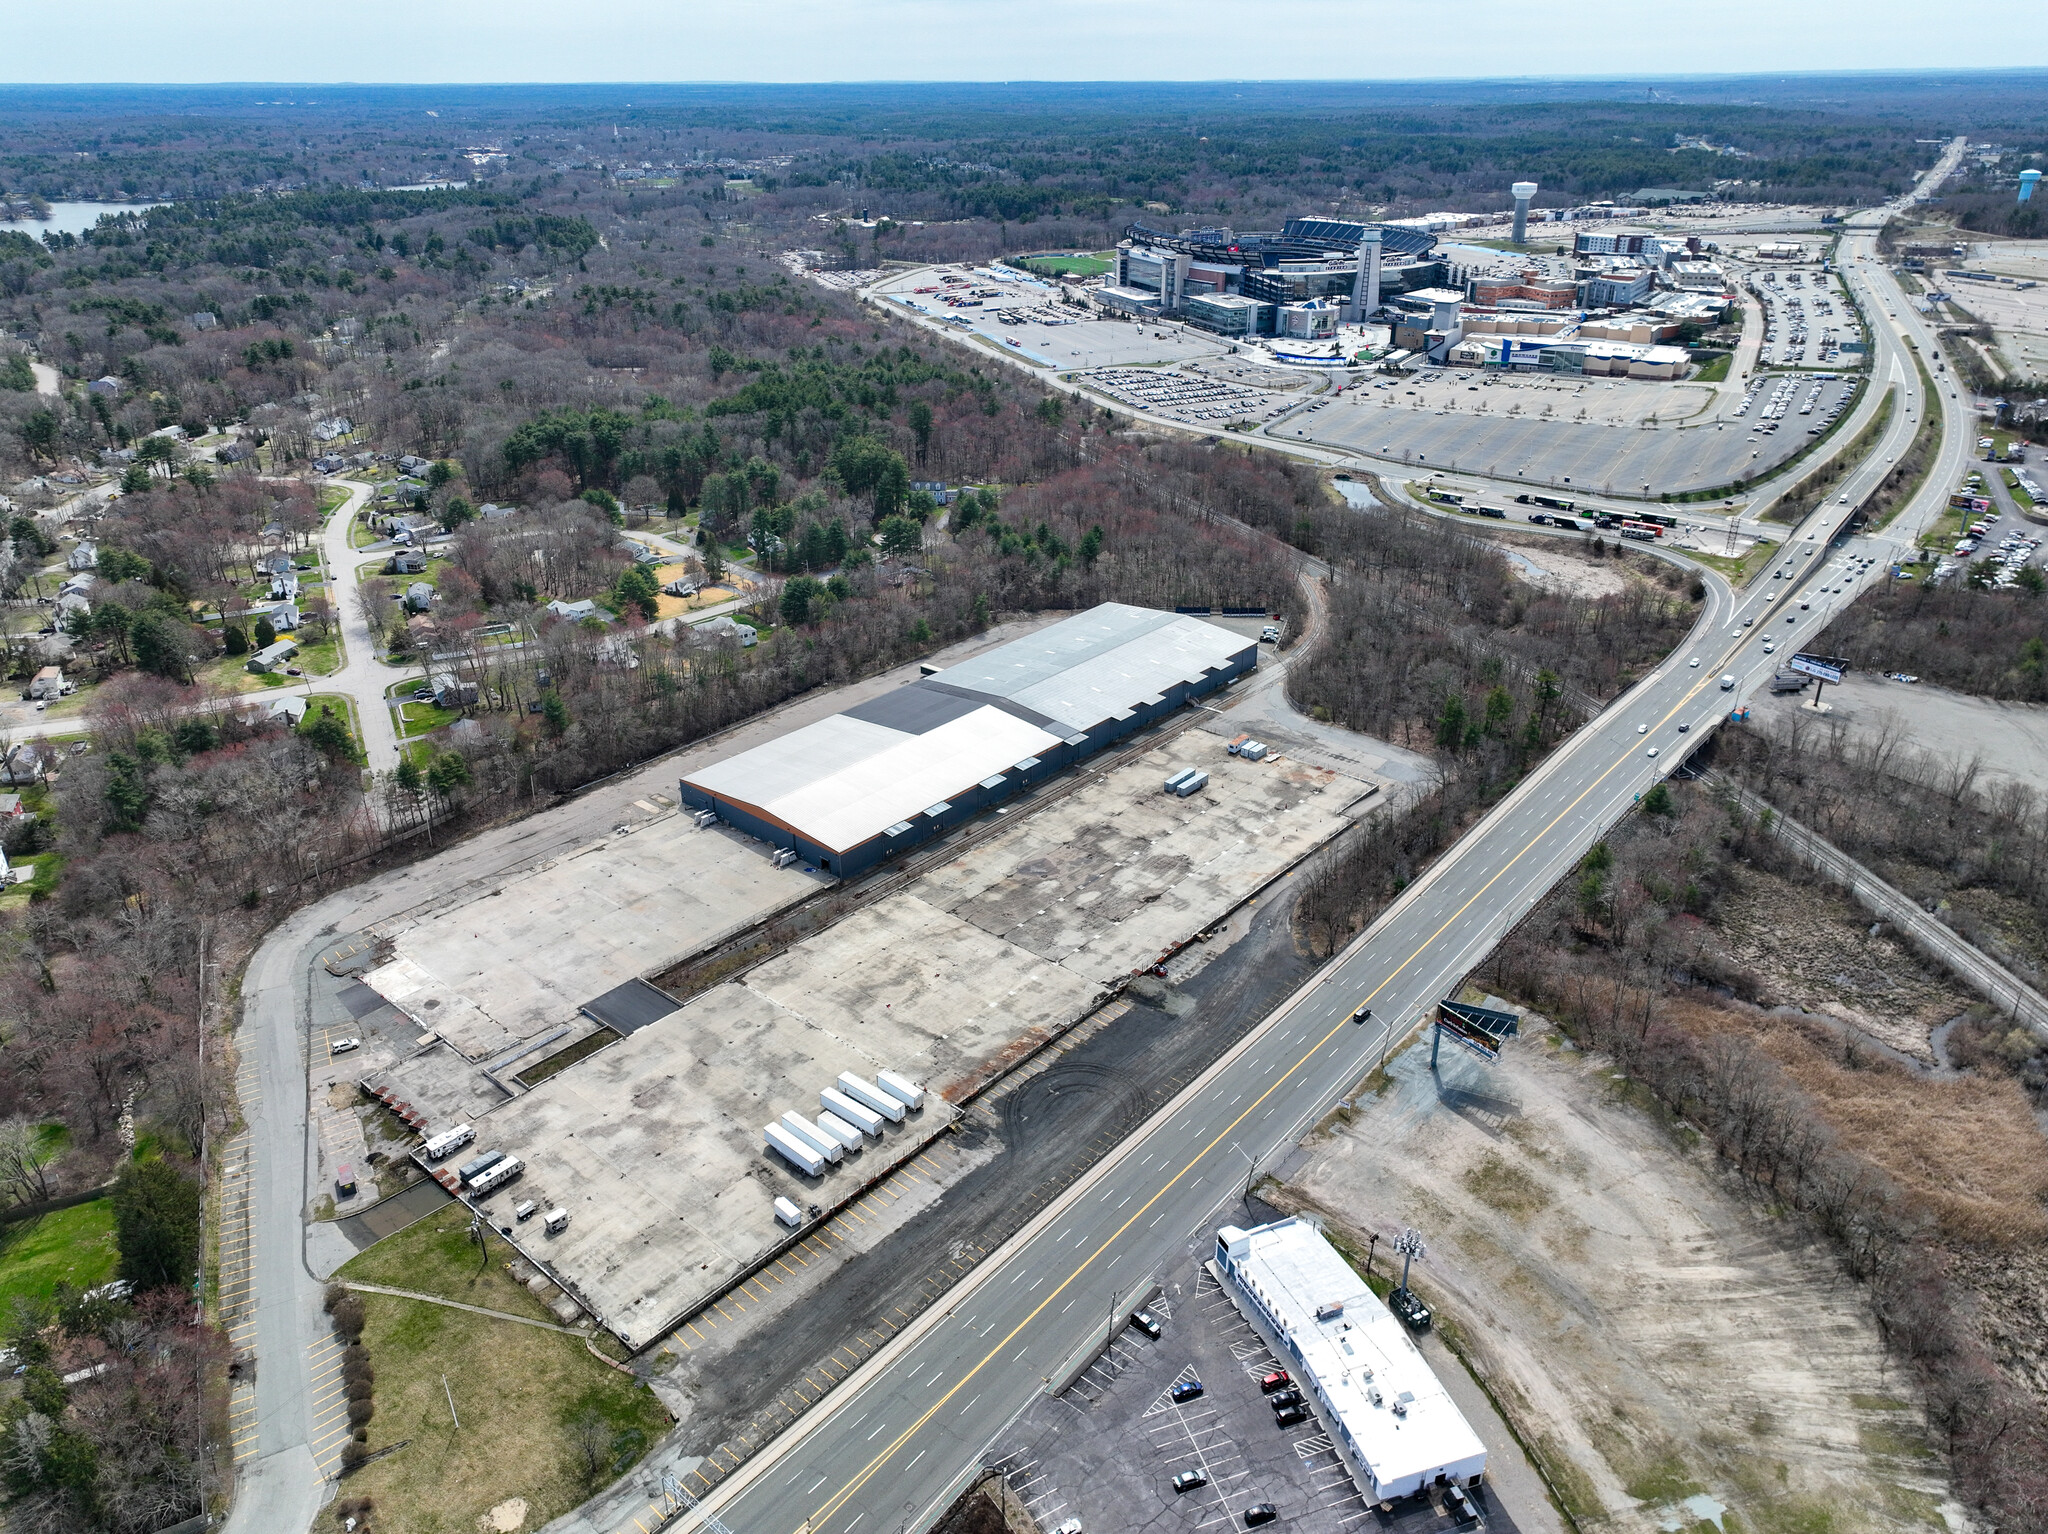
{"points": [[2027, 180], [1523, 191]]}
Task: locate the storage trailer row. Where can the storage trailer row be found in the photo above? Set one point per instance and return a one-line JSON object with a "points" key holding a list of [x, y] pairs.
{"points": [[852, 1109]]}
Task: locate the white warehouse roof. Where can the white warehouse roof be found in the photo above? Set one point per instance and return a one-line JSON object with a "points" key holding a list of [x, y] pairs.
{"points": [[1356, 1358], [844, 780]]}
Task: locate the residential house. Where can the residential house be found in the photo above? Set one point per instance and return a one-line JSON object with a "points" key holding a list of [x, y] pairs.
{"points": [[10, 807], [109, 385], [48, 683], [205, 319], [290, 710], [25, 764], [285, 587], [450, 691], [271, 656], [410, 464], [617, 653], [419, 596], [575, 612], [491, 511], [85, 557], [723, 628], [234, 452], [408, 562], [332, 429], [284, 617], [329, 463]]}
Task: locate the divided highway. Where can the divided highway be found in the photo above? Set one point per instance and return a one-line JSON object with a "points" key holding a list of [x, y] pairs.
{"points": [[887, 1450]]}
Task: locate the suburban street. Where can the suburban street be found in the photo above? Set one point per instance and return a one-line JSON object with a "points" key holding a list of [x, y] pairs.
{"points": [[890, 1446]]}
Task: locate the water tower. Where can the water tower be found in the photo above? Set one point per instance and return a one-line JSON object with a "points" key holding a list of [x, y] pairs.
{"points": [[1523, 191], [2027, 180]]}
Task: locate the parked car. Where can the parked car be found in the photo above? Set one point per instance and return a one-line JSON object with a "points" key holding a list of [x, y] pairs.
{"points": [[1188, 1480], [1291, 1417], [343, 1046], [1258, 1513], [1146, 1322], [1279, 1379], [1280, 1400], [1186, 1390]]}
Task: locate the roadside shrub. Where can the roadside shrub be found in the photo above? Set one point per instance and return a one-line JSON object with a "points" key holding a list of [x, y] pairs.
{"points": [[360, 1413], [353, 1453], [335, 1295], [348, 1318], [356, 1369]]}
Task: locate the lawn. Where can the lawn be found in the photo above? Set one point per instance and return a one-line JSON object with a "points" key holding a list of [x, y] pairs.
{"points": [[319, 658], [1061, 266], [423, 718], [517, 1389], [74, 1246], [331, 497], [47, 865], [1738, 571], [1715, 370], [346, 709]]}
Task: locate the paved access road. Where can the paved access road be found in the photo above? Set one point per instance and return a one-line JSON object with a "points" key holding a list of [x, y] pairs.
{"points": [[887, 1450]]}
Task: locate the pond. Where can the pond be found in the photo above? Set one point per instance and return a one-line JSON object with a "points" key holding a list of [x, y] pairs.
{"points": [[74, 217]]}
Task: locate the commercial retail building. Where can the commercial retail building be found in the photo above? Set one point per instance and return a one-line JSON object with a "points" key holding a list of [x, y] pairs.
{"points": [[1389, 1418]]}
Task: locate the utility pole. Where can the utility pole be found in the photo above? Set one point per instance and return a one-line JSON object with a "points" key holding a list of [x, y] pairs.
{"points": [[1409, 1245]]}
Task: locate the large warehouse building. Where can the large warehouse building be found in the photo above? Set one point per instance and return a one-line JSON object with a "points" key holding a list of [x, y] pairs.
{"points": [[860, 787]]}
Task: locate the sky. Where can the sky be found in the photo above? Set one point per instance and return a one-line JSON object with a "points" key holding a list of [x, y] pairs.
{"points": [[421, 41]]}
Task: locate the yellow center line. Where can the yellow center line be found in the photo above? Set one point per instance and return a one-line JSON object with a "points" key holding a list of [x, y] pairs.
{"points": [[840, 1497]]}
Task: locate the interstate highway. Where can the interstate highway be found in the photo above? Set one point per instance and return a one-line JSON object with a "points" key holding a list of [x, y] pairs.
{"points": [[886, 1450]]}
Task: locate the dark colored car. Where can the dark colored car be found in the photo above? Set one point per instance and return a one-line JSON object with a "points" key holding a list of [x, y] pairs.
{"points": [[1279, 1379], [1291, 1416], [1145, 1322], [1187, 1390], [1280, 1400], [1258, 1513], [1188, 1480], [1413, 1313]]}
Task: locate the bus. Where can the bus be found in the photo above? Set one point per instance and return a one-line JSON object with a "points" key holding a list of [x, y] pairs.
{"points": [[1448, 497], [1555, 503], [1635, 527], [1657, 517], [1488, 511]]}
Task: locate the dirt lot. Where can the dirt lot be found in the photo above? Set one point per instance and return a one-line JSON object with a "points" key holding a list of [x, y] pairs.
{"points": [[1555, 566], [1666, 1349]]}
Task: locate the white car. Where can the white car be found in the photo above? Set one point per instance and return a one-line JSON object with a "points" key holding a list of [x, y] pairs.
{"points": [[343, 1046], [1694, 661], [1642, 729], [1651, 752]]}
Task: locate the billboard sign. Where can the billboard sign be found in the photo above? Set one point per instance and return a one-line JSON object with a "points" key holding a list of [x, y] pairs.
{"points": [[1480, 1029], [1826, 667]]}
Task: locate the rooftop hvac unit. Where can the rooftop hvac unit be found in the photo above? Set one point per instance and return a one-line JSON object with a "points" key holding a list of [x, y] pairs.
{"points": [[902, 1088], [862, 1091], [848, 1137], [814, 1137], [857, 1114], [794, 1151]]}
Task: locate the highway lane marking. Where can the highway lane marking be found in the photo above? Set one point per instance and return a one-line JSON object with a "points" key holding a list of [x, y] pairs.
{"points": [[840, 1497]]}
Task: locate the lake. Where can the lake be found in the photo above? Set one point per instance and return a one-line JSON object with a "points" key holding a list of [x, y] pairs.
{"points": [[75, 217]]}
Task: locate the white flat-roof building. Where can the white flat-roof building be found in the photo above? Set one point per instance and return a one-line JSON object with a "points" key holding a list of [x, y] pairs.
{"points": [[860, 786], [1390, 1419]]}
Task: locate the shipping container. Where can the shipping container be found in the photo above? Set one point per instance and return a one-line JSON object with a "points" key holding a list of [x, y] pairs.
{"points": [[1193, 783], [794, 1151], [1172, 785], [448, 1142], [470, 1170], [814, 1137], [859, 1115], [862, 1090], [902, 1088], [788, 1213]]}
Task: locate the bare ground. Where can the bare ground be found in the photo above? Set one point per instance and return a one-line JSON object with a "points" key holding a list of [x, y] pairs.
{"points": [[1814, 949], [1653, 1337]]}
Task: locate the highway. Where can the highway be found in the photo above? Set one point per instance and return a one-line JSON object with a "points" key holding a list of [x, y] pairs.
{"points": [[885, 1451]]}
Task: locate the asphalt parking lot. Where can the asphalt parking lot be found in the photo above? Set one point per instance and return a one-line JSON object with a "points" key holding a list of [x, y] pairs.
{"points": [[1806, 318], [1106, 1450]]}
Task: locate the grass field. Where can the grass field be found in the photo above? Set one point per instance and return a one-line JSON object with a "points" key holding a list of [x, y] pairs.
{"points": [[1714, 371], [519, 1392], [346, 709], [75, 1246], [1061, 266]]}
